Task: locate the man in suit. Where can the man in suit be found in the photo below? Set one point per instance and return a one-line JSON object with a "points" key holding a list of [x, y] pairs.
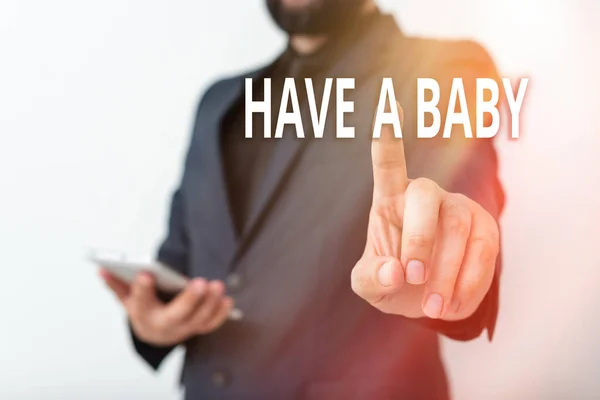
{"points": [[346, 257]]}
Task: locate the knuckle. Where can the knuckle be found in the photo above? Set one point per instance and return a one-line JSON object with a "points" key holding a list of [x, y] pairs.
{"points": [[423, 186], [460, 198], [216, 322], [194, 326], [456, 218], [416, 240], [188, 330], [161, 326], [183, 308], [167, 320], [487, 246], [201, 327], [205, 310], [188, 296], [388, 164], [457, 223], [490, 224], [218, 287], [359, 280], [383, 210], [467, 289], [443, 284], [488, 257]]}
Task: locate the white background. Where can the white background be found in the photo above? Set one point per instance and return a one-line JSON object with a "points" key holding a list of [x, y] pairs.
{"points": [[96, 103]]}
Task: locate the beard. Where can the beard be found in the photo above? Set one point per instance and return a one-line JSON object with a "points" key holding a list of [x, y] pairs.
{"points": [[317, 17]]}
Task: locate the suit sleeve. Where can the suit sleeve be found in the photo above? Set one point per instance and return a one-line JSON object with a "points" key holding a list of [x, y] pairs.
{"points": [[174, 251], [467, 166]]}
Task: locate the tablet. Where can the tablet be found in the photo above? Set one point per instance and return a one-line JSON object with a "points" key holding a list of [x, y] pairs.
{"points": [[167, 280]]}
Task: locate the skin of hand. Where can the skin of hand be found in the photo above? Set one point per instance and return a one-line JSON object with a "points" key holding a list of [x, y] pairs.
{"points": [[428, 252], [200, 308]]}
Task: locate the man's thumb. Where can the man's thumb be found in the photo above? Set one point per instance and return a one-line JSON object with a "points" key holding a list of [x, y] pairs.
{"points": [[375, 277]]}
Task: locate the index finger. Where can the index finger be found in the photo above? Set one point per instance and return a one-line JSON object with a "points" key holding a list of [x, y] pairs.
{"points": [[389, 165]]}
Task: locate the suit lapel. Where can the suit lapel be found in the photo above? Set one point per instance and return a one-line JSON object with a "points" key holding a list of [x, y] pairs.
{"points": [[216, 211], [286, 155]]}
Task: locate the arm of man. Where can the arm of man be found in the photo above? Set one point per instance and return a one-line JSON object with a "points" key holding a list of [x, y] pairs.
{"points": [[436, 235], [157, 323]]}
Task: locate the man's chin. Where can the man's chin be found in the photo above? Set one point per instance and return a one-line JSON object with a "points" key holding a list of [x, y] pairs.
{"points": [[294, 5], [313, 17]]}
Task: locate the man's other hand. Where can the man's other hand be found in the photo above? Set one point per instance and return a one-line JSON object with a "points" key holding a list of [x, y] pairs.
{"points": [[198, 309], [428, 252]]}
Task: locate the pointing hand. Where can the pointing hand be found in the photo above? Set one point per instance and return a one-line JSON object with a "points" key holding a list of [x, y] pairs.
{"points": [[428, 252]]}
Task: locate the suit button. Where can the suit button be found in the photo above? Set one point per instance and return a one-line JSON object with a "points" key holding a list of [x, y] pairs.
{"points": [[236, 315], [221, 379], [234, 282]]}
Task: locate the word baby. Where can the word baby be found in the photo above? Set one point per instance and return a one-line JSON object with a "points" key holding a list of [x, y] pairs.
{"points": [[387, 98]]}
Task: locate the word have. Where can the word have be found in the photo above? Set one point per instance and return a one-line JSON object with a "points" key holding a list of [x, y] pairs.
{"points": [[387, 101]]}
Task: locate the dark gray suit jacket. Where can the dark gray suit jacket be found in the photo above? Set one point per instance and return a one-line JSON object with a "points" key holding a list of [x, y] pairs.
{"points": [[305, 335]]}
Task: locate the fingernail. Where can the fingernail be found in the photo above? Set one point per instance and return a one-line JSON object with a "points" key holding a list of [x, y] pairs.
{"points": [[199, 285], [143, 279], [386, 274], [415, 272], [433, 306], [217, 288]]}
